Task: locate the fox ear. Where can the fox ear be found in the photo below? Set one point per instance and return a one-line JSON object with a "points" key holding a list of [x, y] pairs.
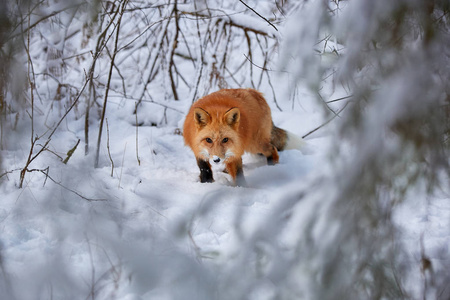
{"points": [[201, 117], [233, 116]]}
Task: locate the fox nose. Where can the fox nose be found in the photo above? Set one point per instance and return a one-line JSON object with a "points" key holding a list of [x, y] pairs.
{"points": [[216, 159]]}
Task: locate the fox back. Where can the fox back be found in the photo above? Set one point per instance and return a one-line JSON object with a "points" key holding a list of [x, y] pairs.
{"points": [[223, 125]]}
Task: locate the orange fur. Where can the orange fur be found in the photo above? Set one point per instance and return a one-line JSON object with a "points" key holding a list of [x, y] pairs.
{"points": [[223, 125]]}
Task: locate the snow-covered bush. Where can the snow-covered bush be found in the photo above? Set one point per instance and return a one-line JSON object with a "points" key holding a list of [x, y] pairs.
{"points": [[366, 216], [387, 62]]}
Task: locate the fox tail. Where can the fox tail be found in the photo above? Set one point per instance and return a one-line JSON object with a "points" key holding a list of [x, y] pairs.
{"points": [[285, 140]]}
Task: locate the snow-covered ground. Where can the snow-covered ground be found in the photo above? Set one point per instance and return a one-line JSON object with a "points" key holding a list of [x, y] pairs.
{"points": [[144, 230], [142, 226], [153, 231]]}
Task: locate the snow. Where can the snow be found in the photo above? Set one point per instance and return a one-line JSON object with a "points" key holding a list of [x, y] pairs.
{"points": [[142, 226], [153, 231], [138, 221]]}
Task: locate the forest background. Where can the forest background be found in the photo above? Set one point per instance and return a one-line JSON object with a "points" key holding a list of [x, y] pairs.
{"points": [[101, 200]]}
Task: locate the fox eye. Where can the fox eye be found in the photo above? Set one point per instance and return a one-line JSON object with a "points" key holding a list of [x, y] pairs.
{"points": [[225, 140], [208, 140]]}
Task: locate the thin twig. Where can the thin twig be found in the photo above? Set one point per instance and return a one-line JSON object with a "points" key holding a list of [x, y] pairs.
{"points": [[336, 115], [249, 44], [44, 147], [154, 64], [201, 58], [263, 68], [273, 92], [31, 83], [101, 44], [105, 100], [9, 172], [339, 99], [31, 26], [45, 172], [259, 15], [70, 152], [137, 138], [121, 167], [226, 18], [172, 52], [107, 147]]}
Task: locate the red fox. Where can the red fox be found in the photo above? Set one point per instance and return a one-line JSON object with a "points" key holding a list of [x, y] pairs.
{"points": [[223, 125]]}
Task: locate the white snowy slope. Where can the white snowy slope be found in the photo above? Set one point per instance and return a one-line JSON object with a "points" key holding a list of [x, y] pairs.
{"points": [[153, 231], [142, 226]]}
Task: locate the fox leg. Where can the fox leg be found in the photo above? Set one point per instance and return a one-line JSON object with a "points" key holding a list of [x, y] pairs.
{"points": [[206, 174], [271, 153], [234, 168], [273, 158]]}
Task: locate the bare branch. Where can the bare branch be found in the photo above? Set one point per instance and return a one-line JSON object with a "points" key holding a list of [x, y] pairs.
{"points": [[105, 101], [259, 15], [174, 46]]}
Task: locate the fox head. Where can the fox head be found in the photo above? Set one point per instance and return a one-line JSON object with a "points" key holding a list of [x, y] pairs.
{"points": [[217, 137]]}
